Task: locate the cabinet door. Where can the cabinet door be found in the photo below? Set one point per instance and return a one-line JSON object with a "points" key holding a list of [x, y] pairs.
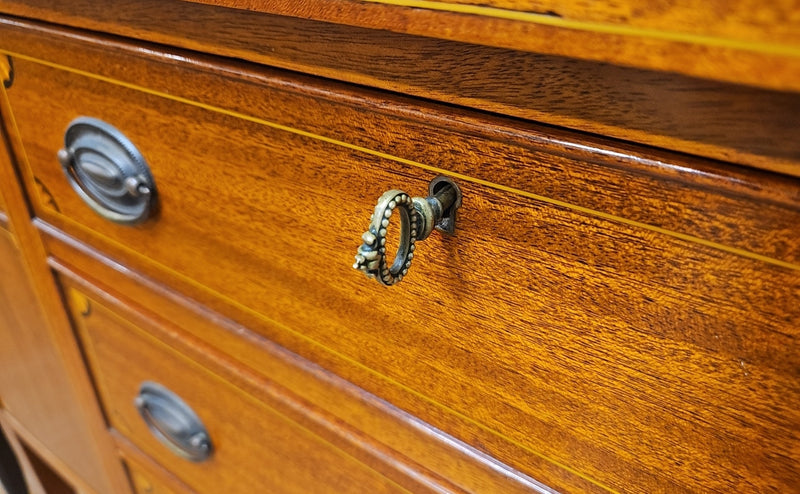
{"points": [[34, 388]]}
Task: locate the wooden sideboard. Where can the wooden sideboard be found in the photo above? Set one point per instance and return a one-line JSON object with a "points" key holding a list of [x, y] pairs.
{"points": [[184, 186]]}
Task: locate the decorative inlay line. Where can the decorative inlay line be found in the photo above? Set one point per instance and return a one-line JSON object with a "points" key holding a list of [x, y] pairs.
{"points": [[555, 202], [155, 341], [574, 207], [597, 27], [54, 232]]}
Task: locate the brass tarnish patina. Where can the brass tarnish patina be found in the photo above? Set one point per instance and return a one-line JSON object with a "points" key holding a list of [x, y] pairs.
{"points": [[418, 217]]}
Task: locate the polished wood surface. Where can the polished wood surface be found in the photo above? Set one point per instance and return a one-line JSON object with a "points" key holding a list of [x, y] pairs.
{"points": [[86, 462], [765, 21], [545, 312], [608, 317], [307, 393], [627, 183], [729, 19], [255, 446], [720, 121], [741, 41], [33, 386], [37, 382], [146, 476]]}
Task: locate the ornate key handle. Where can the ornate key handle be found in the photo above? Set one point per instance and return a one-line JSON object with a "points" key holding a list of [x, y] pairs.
{"points": [[418, 217]]}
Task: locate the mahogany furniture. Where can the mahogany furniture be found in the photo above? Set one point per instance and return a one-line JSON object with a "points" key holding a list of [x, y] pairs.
{"points": [[609, 302]]}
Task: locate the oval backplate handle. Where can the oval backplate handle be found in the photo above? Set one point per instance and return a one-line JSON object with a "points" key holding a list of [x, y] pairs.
{"points": [[107, 171], [173, 422]]}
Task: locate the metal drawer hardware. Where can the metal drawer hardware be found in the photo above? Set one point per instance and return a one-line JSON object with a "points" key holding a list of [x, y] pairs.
{"points": [[107, 171], [172, 422], [418, 217]]}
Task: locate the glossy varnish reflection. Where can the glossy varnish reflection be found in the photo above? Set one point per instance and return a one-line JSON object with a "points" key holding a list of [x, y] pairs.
{"points": [[255, 446], [728, 122], [731, 40], [608, 317], [328, 405], [45, 386], [544, 311]]}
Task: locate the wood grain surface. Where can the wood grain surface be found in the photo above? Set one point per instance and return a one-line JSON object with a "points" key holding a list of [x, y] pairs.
{"points": [[33, 386], [718, 39], [721, 121], [255, 447], [741, 210], [299, 389], [636, 358], [146, 476], [44, 384], [732, 19], [771, 21]]}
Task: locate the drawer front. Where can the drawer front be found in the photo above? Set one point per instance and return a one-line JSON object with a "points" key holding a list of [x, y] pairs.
{"points": [[395, 443], [254, 447], [625, 317]]}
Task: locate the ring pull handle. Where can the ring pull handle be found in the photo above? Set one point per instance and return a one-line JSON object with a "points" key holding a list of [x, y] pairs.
{"points": [[173, 422], [107, 171], [418, 217]]}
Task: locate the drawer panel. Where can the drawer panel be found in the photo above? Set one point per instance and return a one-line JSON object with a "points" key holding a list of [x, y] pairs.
{"points": [[360, 423], [255, 447], [620, 314], [670, 193]]}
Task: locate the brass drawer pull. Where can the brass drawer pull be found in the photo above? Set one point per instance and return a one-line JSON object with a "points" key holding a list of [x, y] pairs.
{"points": [[107, 171], [418, 217], [173, 422]]}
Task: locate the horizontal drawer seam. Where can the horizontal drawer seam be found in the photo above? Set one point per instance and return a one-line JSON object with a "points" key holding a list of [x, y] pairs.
{"points": [[595, 27], [58, 264], [379, 154]]}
